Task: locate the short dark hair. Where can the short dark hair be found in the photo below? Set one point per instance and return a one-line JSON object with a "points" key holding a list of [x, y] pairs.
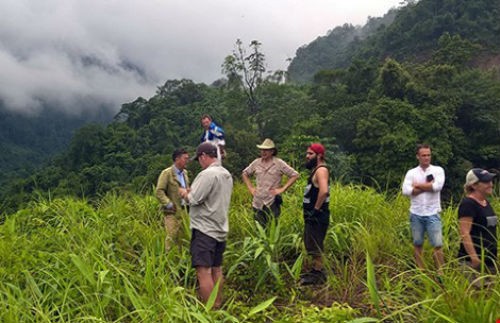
{"points": [[178, 152], [206, 116], [422, 146], [212, 154]]}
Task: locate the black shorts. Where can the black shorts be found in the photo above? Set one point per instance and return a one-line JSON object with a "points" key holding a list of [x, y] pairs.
{"points": [[205, 250], [314, 237]]}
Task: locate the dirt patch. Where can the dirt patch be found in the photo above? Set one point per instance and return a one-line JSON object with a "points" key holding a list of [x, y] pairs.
{"points": [[487, 61]]}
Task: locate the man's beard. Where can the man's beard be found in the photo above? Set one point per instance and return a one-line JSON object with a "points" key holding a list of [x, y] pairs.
{"points": [[311, 163]]}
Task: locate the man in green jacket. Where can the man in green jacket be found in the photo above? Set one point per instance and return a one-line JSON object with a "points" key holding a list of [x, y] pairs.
{"points": [[167, 191]]}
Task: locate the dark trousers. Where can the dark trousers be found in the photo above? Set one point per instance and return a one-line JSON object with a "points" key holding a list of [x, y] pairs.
{"points": [[267, 213]]}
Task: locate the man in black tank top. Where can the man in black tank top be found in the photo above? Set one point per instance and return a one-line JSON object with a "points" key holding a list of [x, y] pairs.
{"points": [[316, 212]]}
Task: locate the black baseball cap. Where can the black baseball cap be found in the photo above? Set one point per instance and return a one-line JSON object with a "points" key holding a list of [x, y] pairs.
{"points": [[478, 175], [207, 148]]}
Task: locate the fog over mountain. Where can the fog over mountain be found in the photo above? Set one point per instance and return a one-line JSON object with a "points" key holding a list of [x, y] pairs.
{"points": [[85, 54]]}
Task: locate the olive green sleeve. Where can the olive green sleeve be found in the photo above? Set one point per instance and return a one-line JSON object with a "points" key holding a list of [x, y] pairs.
{"points": [[161, 188]]}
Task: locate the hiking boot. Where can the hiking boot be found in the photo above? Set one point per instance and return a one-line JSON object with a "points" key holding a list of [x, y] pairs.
{"points": [[320, 277], [307, 279], [314, 277]]}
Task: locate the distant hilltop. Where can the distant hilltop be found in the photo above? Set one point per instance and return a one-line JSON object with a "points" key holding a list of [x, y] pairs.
{"points": [[407, 33]]}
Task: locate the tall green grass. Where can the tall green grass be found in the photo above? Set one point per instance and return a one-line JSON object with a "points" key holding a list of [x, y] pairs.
{"points": [[72, 260]]}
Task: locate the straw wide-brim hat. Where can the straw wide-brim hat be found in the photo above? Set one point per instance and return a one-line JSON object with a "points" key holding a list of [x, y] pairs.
{"points": [[267, 144]]}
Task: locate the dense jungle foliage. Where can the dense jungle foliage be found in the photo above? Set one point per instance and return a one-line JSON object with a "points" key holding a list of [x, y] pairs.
{"points": [[410, 33], [370, 114], [28, 140]]}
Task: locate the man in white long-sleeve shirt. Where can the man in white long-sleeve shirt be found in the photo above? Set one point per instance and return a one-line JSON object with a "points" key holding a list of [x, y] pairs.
{"points": [[423, 185]]}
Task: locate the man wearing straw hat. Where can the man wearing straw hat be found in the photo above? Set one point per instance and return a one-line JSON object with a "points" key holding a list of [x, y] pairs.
{"points": [[268, 171]]}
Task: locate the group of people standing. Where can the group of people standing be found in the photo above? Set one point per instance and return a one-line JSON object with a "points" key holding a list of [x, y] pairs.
{"points": [[269, 171], [476, 218], [207, 203]]}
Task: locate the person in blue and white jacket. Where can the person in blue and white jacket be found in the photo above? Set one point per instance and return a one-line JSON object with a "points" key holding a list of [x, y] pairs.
{"points": [[214, 134]]}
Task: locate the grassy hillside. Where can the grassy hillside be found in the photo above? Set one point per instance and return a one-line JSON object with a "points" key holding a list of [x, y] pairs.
{"points": [[69, 260]]}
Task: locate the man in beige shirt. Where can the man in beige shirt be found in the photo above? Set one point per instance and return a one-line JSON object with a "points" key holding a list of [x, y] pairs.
{"points": [[268, 171], [209, 200], [167, 192]]}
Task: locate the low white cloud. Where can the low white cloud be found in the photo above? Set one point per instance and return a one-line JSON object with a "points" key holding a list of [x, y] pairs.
{"points": [[81, 54]]}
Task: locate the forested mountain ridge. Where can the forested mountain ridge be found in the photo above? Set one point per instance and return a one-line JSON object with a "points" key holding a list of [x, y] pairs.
{"points": [[408, 33], [370, 115], [335, 50], [27, 141]]}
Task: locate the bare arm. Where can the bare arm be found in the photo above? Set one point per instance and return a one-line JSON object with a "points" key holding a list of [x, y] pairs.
{"points": [[433, 186], [465, 224], [289, 182], [292, 174], [321, 178], [422, 187]]}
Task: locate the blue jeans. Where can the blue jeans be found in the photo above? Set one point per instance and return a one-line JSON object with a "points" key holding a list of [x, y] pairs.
{"points": [[430, 224]]}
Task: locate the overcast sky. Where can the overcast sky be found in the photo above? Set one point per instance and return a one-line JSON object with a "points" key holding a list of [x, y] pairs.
{"points": [[79, 53]]}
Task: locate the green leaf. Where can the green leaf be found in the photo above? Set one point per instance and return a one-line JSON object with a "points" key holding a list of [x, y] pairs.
{"points": [[261, 307], [372, 283], [213, 296], [258, 251], [84, 269]]}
